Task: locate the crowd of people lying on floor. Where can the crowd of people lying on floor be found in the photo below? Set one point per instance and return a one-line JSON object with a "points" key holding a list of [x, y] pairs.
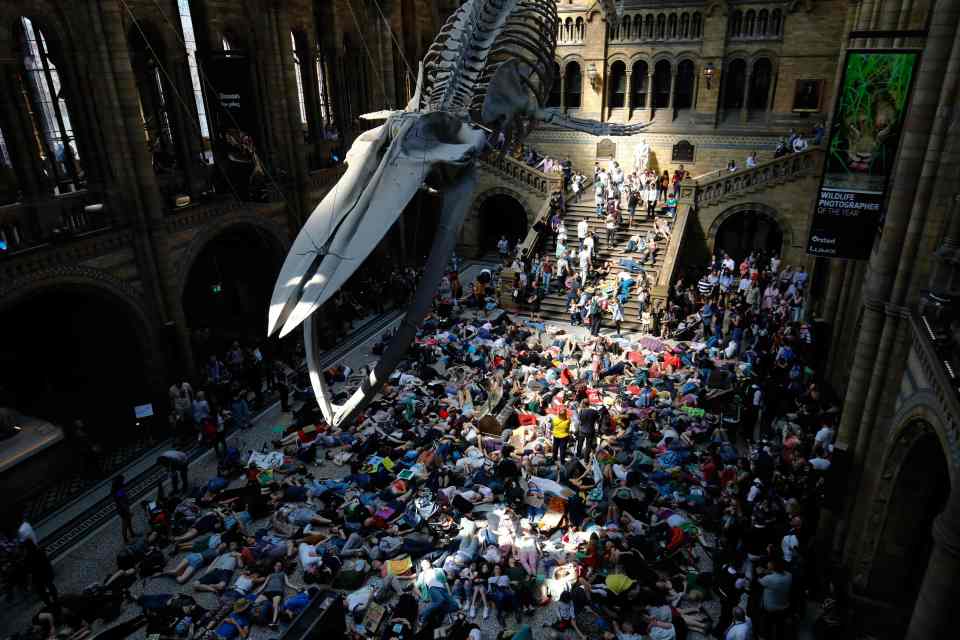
{"points": [[614, 488]]}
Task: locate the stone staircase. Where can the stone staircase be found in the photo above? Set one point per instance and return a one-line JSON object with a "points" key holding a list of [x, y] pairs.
{"points": [[554, 306]]}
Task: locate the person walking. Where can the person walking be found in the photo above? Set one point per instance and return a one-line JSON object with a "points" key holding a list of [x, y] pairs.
{"points": [[175, 463], [611, 226], [616, 311], [38, 566], [121, 499], [775, 601]]}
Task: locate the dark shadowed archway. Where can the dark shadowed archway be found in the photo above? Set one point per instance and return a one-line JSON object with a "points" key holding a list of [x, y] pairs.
{"points": [[501, 215], [228, 287], [745, 231], [919, 494]]}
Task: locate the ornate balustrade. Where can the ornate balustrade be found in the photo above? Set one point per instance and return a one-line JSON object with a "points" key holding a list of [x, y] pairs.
{"points": [[520, 172], [26, 226], [711, 188]]}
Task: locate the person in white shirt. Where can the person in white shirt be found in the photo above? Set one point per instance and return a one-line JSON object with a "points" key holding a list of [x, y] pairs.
{"points": [[583, 228], [742, 627], [774, 264], [588, 244], [790, 544], [752, 160], [824, 436], [799, 144], [26, 532], [818, 461]]}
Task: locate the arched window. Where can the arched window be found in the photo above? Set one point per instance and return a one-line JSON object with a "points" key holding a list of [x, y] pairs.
{"points": [[749, 23], [43, 93], [683, 96], [661, 26], [672, 26], [614, 31], [553, 100], [762, 20], [776, 21], [190, 44], [560, 32], [324, 89], [568, 30], [760, 81], [625, 28], [153, 90], [736, 77], [637, 27], [579, 30], [648, 27], [298, 75], [736, 24], [661, 84], [617, 84], [573, 83], [695, 25], [9, 189], [638, 85], [685, 26]]}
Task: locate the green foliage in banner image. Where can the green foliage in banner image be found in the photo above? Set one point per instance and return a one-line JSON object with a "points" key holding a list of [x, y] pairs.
{"points": [[873, 101]]}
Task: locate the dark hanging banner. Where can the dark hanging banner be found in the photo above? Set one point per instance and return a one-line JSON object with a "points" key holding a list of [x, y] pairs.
{"points": [[234, 124], [861, 149]]}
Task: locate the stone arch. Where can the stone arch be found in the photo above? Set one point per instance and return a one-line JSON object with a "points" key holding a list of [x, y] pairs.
{"points": [[18, 290], [758, 54], [618, 57], [572, 57], [276, 232], [919, 424], [482, 197], [755, 207], [46, 15]]}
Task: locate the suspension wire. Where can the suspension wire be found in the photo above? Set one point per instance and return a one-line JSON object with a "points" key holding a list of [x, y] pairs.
{"points": [[176, 92], [373, 63], [411, 76], [206, 80]]}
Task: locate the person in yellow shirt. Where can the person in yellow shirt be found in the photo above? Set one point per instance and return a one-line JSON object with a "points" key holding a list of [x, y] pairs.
{"points": [[561, 434]]}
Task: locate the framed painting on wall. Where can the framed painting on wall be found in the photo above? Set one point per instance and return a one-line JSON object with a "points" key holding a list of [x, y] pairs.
{"points": [[807, 96]]}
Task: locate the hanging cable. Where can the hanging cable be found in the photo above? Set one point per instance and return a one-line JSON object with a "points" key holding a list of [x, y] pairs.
{"points": [[411, 76], [206, 80], [373, 63]]}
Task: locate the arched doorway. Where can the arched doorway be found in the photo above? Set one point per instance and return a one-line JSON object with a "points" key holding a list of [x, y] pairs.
{"points": [[760, 81], [683, 98], [553, 100], [638, 86], [617, 85], [74, 352], [736, 78], [661, 85], [574, 85], [919, 494], [501, 215], [228, 288], [746, 231]]}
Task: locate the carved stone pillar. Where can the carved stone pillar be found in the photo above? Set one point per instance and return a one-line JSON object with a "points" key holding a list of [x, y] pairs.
{"points": [[936, 607], [563, 92], [744, 110], [673, 87], [772, 89], [649, 96], [627, 102]]}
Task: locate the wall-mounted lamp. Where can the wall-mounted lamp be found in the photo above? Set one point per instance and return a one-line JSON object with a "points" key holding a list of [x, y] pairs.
{"points": [[708, 71], [593, 76]]}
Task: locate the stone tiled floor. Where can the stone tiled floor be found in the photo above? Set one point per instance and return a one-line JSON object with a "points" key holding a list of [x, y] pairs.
{"points": [[94, 558]]}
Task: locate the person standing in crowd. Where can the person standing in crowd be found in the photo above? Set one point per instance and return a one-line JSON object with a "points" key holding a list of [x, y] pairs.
{"points": [[560, 430], [503, 247], [118, 491], [176, 464], [652, 194], [583, 228], [40, 569], [586, 434], [775, 600], [611, 226]]}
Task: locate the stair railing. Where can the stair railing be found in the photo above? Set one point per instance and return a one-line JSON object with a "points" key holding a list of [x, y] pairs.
{"points": [[713, 187]]}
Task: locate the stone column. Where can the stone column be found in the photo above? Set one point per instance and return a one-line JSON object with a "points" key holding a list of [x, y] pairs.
{"points": [[772, 90], [23, 154], [563, 91], [673, 86], [627, 101], [650, 95], [936, 608], [744, 110], [834, 285]]}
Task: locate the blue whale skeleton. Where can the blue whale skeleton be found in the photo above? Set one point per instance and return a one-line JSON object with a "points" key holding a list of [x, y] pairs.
{"points": [[490, 69]]}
